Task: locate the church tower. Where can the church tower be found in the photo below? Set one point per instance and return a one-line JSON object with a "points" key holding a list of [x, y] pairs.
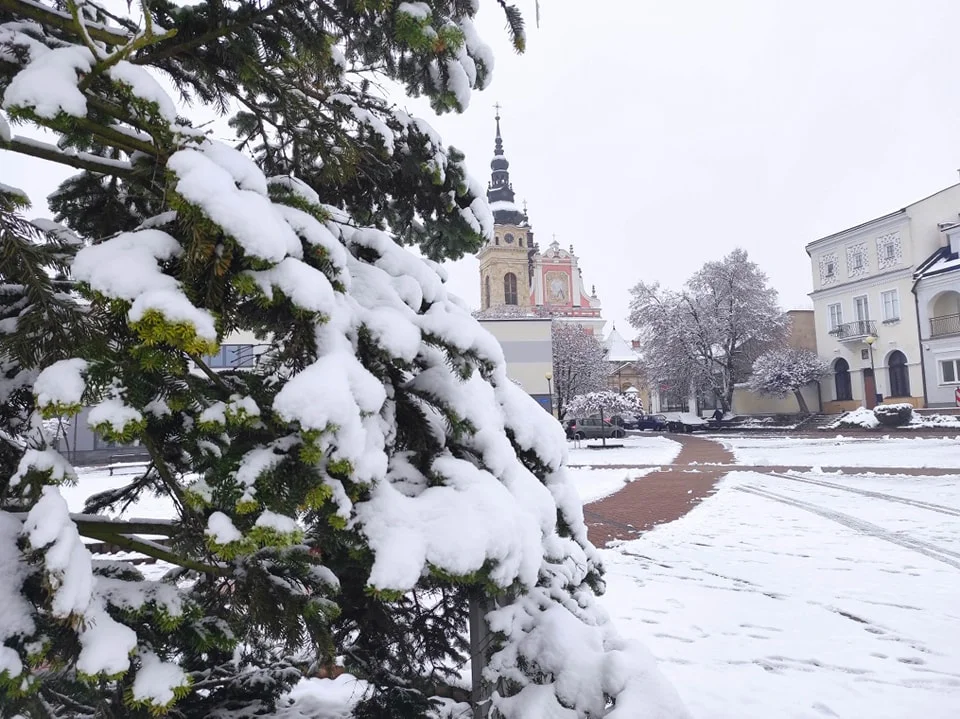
{"points": [[505, 268]]}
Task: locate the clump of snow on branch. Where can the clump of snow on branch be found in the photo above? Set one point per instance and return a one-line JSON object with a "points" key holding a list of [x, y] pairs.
{"points": [[128, 267], [62, 383]]}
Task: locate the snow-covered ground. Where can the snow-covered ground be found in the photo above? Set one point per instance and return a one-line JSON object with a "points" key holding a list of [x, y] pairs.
{"points": [[91, 480], [799, 599], [840, 451], [594, 484], [635, 451]]}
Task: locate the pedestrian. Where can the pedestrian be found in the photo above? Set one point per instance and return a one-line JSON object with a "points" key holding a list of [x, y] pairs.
{"points": [[718, 415]]}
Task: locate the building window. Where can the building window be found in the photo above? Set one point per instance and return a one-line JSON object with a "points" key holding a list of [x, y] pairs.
{"points": [[858, 260], [496, 240], [830, 269], [891, 305], [861, 308], [486, 292], [836, 316], [950, 371], [899, 374], [510, 289], [231, 356], [841, 380], [889, 251]]}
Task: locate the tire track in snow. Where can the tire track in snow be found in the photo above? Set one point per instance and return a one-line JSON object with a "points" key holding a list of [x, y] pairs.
{"points": [[952, 511], [865, 528]]}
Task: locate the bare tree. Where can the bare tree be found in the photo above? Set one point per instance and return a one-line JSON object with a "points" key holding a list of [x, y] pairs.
{"points": [[579, 363], [781, 371], [708, 335], [605, 404]]}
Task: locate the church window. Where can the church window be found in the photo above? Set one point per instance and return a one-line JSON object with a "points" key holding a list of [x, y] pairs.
{"points": [[509, 289], [508, 238], [520, 240], [486, 292], [496, 240]]}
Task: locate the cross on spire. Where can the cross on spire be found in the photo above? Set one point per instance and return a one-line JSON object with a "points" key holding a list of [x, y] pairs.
{"points": [[497, 106]]}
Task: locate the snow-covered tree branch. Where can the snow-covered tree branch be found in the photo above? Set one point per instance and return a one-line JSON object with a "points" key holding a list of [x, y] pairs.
{"points": [[579, 363], [707, 336], [779, 372]]}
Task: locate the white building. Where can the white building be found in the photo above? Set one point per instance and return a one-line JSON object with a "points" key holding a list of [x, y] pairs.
{"points": [[864, 307], [937, 289]]}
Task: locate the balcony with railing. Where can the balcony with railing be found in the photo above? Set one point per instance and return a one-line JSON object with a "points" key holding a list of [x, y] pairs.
{"points": [[945, 326], [855, 331]]}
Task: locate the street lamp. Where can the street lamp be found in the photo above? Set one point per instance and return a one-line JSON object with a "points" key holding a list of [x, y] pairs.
{"points": [[548, 375], [873, 371]]}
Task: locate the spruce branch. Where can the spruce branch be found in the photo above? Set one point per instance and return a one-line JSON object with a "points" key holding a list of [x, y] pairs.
{"points": [[78, 161], [62, 21], [151, 549]]}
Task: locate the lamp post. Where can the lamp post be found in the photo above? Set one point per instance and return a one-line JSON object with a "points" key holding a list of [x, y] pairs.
{"points": [[873, 371], [548, 375]]}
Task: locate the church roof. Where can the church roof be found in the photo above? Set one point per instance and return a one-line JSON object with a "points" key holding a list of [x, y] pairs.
{"points": [[618, 349], [500, 192]]}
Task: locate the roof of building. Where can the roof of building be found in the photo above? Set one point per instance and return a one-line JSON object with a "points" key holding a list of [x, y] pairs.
{"points": [[943, 260], [876, 220], [618, 349]]}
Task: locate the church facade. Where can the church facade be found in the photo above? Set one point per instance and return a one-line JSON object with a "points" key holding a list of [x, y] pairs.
{"points": [[517, 279]]}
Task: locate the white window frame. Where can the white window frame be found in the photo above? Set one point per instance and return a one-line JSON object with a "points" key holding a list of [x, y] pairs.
{"points": [[830, 269], [839, 317], [955, 361], [889, 251], [858, 260], [866, 308], [895, 293]]}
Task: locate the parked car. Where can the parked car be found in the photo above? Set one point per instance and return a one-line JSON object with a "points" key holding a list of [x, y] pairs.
{"points": [[684, 422], [656, 422], [591, 428]]}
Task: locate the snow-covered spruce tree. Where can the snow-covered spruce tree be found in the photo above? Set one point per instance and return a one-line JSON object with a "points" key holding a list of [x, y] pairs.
{"points": [[344, 499], [603, 404], [778, 372], [579, 363], [707, 335]]}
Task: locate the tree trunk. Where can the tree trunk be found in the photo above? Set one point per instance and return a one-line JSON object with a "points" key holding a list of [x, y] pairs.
{"points": [[603, 429], [801, 401]]}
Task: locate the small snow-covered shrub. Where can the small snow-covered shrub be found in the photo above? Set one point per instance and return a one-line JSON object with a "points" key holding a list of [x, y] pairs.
{"points": [[893, 415]]}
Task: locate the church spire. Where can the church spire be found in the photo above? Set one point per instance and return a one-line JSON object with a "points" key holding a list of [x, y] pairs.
{"points": [[500, 193]]}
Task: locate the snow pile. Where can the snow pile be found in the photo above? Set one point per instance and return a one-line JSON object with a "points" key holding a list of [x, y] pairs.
{"points": [[860, 417], [934, 421]]}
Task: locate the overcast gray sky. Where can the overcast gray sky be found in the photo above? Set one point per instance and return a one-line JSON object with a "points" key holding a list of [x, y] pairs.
{"points": [[655, 135]]}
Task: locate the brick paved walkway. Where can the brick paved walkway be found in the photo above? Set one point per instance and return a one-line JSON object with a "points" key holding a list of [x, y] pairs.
{"points": [[661, 496], [672, 491]]}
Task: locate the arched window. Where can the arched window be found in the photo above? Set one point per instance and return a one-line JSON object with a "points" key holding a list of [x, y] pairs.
{"points": [[486, 292], [509, 289], [841, 379], [899, 374]]}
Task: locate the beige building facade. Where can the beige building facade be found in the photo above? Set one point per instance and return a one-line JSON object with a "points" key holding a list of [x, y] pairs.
{"points": [[865, 311], [527, 345]]}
